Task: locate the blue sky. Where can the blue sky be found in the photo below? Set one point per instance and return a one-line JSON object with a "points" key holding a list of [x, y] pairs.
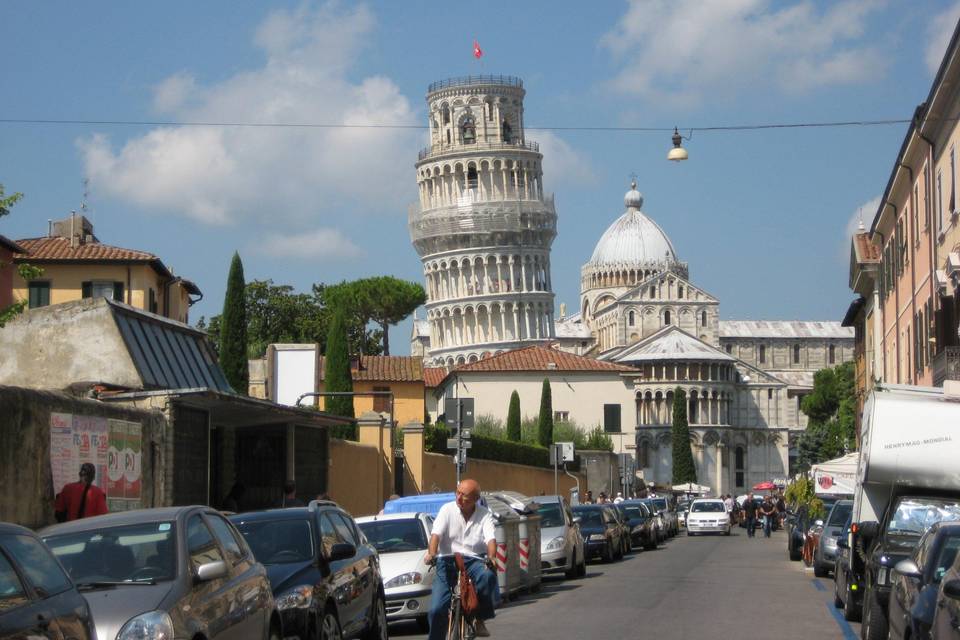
{"points": [[763, 217]]}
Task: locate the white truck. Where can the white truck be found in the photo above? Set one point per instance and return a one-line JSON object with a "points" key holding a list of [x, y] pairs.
{"points": [[908, 477]]}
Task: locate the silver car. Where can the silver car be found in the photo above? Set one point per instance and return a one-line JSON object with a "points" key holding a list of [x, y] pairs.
{"points": [[826, 552], [180, 572], [561, 545]]}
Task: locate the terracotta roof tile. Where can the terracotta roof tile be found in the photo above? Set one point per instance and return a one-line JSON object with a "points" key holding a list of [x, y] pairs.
{"points": [[537, 358], [433, 376], [866, 250], [386, 369], [57, 248]]}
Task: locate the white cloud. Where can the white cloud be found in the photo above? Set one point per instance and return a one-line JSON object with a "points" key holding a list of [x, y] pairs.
{"points": [[680, 52], [938, 35], [223, 175], [562, 164], [865, 212], [317, 245]]}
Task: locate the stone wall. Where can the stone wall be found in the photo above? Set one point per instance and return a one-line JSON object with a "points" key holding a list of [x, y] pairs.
{"points": [[351, 482], [26, 483]]}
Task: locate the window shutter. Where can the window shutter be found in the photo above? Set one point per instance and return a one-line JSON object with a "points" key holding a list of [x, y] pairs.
{"points": [[86, 290], [118, 291], [611, 418]]}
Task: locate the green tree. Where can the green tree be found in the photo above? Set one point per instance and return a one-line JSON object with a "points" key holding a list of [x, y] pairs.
{"points": [[831, 408], [545, 420], [336, 375], [598, 440], [25, 271], [233, 329], [383, 300], [684, 469], [513, 418]]}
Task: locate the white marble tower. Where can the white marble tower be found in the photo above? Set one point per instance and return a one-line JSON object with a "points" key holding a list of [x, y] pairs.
{"points": [[483, 226]]}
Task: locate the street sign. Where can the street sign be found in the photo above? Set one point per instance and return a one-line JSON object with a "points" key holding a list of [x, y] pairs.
{"points": [[453, 443], [561, 452], [455, 416]]}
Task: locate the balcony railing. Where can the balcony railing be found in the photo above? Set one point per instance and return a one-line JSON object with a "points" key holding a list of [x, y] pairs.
{"points": [[465, 81], [504, 217], [946, 366], [442, 149]]}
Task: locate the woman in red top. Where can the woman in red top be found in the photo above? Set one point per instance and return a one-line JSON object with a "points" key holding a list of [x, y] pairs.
{"points": [[81, 499]]}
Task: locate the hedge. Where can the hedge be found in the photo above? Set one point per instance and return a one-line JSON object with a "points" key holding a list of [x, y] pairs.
{"points": [[484, 448]]}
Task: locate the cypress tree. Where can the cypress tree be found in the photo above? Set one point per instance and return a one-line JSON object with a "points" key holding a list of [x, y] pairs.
{"points": [[233, 330], [513, 418], [336, 368], [684, 469], [545, 421]]}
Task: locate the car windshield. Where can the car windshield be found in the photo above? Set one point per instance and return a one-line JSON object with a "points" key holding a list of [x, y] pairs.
{"points": [[948, 554], [707, 507], [280, 541], [634, 511], [145, 552], [393, 536], [915, 515], [839, 514], [659, 503], [550, 515], [590, 517]]}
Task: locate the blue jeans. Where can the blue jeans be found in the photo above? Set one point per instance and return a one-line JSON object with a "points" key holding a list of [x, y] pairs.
{"points": [[751, 525], [767, 525], [488, 592]]}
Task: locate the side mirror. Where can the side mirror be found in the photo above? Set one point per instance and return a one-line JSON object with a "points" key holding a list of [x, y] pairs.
{"points": [[908, 569], [869, 529], [951, 588], [341, 551], [842, 542], [819, 523], [210, 571], [577, 520]]}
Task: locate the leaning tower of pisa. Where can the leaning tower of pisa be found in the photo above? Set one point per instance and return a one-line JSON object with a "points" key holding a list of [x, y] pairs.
{"points": [[483, 226]]}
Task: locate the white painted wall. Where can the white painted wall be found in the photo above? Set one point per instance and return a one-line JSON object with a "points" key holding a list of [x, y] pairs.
{"points": [[582, 394], [293, 372]]}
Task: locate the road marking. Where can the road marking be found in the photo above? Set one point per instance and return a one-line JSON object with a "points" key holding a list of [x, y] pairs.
{"points": [[818, 585], [845, 627]]}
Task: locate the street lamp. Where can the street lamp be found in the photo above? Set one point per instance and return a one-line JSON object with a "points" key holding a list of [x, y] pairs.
{"points": [[678, 153]]}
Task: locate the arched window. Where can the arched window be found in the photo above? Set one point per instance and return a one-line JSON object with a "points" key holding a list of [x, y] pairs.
{"points": [[643, 455], [448, 136], [833, 354], [631, 319], [796, 354], [653, 292], [468, 131], [739, 465], [680, 291], [445, 110], [763, 354], [666, 317], [507, 131], [471, 178], [703, 318]]}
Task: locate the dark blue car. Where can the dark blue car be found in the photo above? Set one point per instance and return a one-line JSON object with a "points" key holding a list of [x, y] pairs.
{"points": [[600, 531]]}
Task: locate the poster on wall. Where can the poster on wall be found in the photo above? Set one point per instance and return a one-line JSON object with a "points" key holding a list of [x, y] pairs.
{"points": [[112, 446]]}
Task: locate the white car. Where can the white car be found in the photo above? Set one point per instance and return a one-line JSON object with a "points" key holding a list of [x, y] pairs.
{"points": [[561, 544], [708, 515], [401, 540]]}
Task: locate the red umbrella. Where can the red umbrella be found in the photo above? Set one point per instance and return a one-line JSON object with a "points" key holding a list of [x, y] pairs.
{"points": [[764, 486]]}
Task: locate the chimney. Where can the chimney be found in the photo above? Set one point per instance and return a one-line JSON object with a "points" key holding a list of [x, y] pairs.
{"points": [[77, 228]]}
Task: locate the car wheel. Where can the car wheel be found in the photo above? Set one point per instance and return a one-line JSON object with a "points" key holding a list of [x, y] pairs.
{"points": [[423, 623], [793, 550], [690, 534], [330, 627], [651, 544], [837, 600], [819, 571], [572, 571], [582, 567], [377, 627], [608, 553], [874, 622]]}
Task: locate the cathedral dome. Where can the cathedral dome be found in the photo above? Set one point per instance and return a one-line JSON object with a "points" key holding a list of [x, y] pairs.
{"points": [[633, 239]]}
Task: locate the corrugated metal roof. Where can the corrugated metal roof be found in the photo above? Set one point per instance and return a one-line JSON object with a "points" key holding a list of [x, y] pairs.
{"points": [[783, 329], [168, 354]]}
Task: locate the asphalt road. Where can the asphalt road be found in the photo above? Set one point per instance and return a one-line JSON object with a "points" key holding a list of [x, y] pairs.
{"points": [[702, 587]]}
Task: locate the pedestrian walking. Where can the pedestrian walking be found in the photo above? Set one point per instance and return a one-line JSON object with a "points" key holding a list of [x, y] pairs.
{"points": [[728, 503], [589, 497], [750, 514], [81, 499], [781, 509], [768, 510]]}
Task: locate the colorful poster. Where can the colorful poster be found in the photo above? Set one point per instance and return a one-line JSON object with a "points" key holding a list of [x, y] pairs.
{"points": [[112, 446]]}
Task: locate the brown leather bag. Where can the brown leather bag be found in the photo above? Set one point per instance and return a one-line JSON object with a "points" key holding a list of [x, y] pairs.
{"points": [[469, 601]]}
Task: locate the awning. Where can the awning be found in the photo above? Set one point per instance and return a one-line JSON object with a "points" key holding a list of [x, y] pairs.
{"points": [[837, 476]]}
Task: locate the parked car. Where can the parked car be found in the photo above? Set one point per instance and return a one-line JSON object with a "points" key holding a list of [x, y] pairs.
{"points": [[826, 549], [663, 528], [561, 543], [847, 587], [665, 507], [913, 592], [324, 573], [643, 524], [946, 617], [401, 540], [798, 523], [164, 573], [601, 531], [708, 515], [683, 509], [37, 597], [624, 520]]}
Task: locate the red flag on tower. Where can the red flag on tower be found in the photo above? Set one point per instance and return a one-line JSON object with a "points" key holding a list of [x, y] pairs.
{"points": [[477, 51]]}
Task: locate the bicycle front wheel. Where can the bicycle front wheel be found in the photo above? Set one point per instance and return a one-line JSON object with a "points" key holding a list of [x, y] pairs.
{"points": [[456, 625]]}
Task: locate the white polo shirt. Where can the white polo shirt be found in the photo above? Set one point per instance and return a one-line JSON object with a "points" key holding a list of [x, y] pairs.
{"points": [[463, 536]]}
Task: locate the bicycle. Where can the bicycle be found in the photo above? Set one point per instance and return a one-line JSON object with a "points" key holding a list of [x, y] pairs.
{"points": [[460, 624]]}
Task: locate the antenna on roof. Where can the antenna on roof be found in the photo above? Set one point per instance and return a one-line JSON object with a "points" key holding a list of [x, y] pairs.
{"points": [[860, 226], [86, 196]]}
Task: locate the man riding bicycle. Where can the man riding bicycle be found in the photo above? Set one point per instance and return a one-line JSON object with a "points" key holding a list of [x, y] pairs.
{"points": [[467, 528]]}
